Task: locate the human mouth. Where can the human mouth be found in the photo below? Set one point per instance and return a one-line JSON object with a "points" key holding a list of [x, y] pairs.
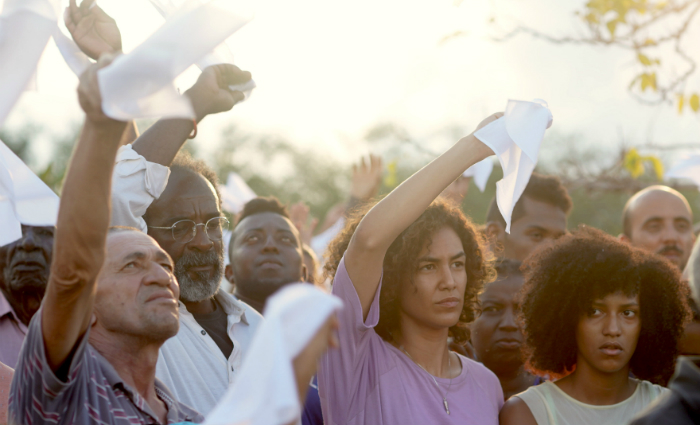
{"points": [[611, 349], [202, 268], [269, 264], [450, 302], [508, 344], [161, 296]]}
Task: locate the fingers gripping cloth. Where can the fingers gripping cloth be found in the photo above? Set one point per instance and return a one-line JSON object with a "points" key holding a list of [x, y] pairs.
{"points": [[140, 83], [265, 392], [515, 138]]}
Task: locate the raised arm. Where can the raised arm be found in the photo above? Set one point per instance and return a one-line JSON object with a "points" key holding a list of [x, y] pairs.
{"points": [[209, 95], [392, 215], [83, 221]]}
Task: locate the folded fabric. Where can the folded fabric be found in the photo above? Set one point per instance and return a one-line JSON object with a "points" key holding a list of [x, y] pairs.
{"points": [[24, 198], [221, 54], [687, 168], [481, 171], [25, 28], [140, 83], [515, 138], [235, 194], [265, 392]]}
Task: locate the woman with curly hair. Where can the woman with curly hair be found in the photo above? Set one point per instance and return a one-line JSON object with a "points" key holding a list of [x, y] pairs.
{"points": [[596, 312], [409, 271]]}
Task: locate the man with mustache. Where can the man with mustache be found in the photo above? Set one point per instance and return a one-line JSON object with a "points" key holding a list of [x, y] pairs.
{"points": [[175, 199], [658, 219], [24, 272]]}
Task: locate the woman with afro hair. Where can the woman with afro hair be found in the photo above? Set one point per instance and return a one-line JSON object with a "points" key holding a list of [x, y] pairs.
{"points": [[603, 317], [409, 271]]}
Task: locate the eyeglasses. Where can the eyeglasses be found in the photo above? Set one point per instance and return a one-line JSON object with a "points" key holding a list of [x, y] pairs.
{"points": [[185, 230]]}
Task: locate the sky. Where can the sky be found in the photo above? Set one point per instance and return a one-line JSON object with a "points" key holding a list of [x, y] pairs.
{"points": [[329, 70]]}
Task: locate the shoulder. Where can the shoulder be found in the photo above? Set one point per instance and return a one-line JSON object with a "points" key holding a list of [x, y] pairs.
{"points": [[516, 411], [666, 409], [478, 370]]}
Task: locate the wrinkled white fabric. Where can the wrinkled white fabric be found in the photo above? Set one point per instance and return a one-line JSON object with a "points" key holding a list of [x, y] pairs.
{"points": [[265, 393], [235, 194], [687, 168], [481, 171], [76, 60], [24, 198], [515, 138], [140, 83], [25, 28], [136, 183], [221, 54]]}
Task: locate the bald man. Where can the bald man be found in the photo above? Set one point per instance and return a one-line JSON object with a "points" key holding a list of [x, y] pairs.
{"points": [[658, 219]]}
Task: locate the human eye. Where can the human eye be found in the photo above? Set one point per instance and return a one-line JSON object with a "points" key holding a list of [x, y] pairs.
{"points": [[130, 265], [491, 309], [167, 266], [629, 313], [286, 239], [427, 267], [594, 312], [537, 236], [251, 239], [458, 264], [682, 226]]}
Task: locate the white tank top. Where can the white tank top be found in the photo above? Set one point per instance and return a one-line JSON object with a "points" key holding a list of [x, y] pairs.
{"points": [[552, 406]]}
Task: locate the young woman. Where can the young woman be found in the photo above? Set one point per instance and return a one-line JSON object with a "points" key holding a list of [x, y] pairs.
{"points": [[605, 316], [409, 272]]}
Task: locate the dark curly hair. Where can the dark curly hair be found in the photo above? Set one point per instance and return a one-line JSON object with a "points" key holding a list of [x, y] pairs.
{"points": [[400, 262], [563, 279]]}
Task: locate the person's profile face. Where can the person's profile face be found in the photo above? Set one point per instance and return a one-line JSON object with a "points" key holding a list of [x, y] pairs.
{"points": [[607, 333], [435, 296], [661, 223], [496, 336], [541, 223], [266, 251], [137, 292]]}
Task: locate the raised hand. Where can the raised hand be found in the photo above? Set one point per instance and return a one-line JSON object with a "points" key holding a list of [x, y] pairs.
{"points": [[366, 178], [299, 214], [211, 93], [95, 32]]}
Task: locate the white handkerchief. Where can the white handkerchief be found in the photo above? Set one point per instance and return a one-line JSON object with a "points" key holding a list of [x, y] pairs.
{"points": [[265, 392], [25, 28], [77, 61], [221, 54], [481, 171], [515, 138], [140, 84], [25, 199], [235, 194], [686, 168]]}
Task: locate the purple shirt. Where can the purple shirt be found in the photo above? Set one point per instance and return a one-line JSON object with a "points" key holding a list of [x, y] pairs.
{"points": [[12, 333], [369, 381]]}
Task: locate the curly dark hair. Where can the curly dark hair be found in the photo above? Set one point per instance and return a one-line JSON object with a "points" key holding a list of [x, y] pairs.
{"points": [[400, 262], [563, 279]]}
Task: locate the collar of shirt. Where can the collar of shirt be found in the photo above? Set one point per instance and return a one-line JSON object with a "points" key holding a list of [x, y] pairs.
{"points": [[6, 309], [231, 306], [177, 412]]}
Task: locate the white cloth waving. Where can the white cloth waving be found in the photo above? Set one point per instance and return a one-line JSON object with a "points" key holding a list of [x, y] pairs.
{"points": [[515, 138], [265, 392], [24, 198], [481, 171], [235, 194], [25, 28], [140, 83]]}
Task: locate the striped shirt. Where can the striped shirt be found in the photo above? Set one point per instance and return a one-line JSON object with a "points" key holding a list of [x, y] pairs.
{"points": [[93, 392]]}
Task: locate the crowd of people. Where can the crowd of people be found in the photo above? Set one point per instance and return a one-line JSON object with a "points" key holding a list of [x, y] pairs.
{"points": [[117, 314]]}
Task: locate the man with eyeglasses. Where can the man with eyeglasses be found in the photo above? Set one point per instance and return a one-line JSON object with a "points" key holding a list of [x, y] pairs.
{"points": [[175, 199]]}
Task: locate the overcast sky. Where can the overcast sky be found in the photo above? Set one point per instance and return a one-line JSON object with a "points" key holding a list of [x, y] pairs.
{"points": [[327, 70]]}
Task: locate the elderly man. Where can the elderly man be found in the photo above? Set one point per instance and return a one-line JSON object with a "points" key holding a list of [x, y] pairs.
{"points": [[24, 272], [681, 405], [111, 301], [658, 219], [175, 199], [538, 217]]}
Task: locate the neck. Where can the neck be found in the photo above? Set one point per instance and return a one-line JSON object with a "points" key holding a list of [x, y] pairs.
{"points": [[133, 358], [257, 305], [24, 303], [200, 307], [591, 386], [426, 347], [514, 380]]}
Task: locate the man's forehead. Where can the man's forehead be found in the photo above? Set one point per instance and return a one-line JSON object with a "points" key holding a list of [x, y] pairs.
{"points": [[661, 204], [121, 244], [542, 214], [186, 193], [266, 221]]}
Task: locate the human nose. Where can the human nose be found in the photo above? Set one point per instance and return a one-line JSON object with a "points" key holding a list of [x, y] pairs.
{"points": [[612, 325], [201, 240], [29, 241], [158, 275], [508, 322], [270, 244], [447, 278]]}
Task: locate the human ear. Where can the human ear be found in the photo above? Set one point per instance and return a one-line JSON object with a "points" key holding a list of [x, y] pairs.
{"points": [[228, 272]]}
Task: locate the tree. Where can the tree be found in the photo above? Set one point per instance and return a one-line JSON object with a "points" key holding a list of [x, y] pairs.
{"points": [[654, 32]]}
